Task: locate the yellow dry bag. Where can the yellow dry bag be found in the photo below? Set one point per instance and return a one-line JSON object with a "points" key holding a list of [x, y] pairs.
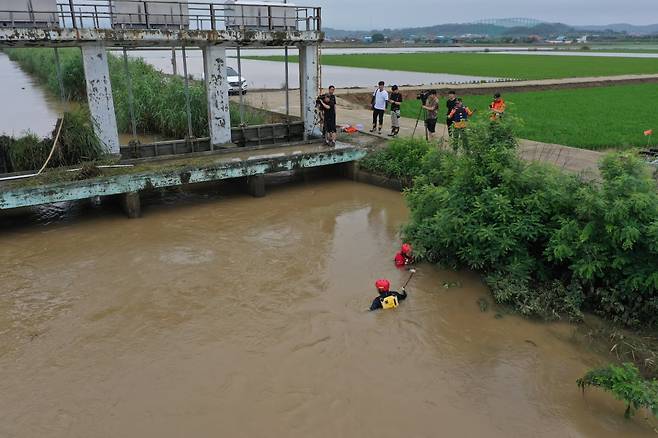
{"points": [[390, 302]]}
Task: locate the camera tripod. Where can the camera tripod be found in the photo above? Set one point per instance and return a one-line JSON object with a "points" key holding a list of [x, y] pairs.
{"points": [[421, 114]]}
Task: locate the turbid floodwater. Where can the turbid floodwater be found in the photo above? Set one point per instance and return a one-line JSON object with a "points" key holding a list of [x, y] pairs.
{"points": [[219, 314]]}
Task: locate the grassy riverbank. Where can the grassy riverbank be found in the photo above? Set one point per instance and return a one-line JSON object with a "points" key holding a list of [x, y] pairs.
{"points": [[159, 98], [613, 117], [524, 67]]}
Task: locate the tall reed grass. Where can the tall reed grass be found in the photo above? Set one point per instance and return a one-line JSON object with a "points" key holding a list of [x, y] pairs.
{"points": [[77, 144], [159, 99]]}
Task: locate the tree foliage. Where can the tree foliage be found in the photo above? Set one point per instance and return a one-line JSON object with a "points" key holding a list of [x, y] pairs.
{"points": [[626, 384]]}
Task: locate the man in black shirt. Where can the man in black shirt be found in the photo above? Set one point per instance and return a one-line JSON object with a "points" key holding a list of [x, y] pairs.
{"points": [[328, 108], [396, 100], [451, 103]]}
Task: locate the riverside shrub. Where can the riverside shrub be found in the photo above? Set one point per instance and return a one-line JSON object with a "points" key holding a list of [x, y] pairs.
{"points": [[547, 242], [402, 159], [626, 384]]}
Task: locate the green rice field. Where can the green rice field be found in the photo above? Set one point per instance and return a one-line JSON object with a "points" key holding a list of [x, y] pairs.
{"points": [[613, 117], [495, 65]]}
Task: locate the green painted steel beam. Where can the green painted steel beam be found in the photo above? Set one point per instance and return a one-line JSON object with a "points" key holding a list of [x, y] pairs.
{"points": [[170, 177]]}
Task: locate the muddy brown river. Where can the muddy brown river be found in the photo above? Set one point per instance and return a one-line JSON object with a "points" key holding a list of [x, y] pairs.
{"points": [[225, 315]]}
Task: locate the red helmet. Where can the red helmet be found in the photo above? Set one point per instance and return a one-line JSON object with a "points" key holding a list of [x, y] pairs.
{"points": [[406, 249], [383, 285]]}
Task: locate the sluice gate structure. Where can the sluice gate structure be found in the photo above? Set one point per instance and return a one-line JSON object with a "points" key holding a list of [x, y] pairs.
{"points": [[97, 26]]}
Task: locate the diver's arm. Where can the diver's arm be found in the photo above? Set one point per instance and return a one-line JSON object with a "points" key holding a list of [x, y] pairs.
{"points": [[376, 304]]}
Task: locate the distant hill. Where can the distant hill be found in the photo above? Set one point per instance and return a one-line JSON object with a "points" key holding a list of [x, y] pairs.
{"points": [[494, 28], [624, 27]]}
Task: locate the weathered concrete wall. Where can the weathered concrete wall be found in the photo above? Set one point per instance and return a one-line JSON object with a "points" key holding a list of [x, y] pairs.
{"points": [[99, 96], [219, 117], [310, 84], [152, 37], [169, 177]]}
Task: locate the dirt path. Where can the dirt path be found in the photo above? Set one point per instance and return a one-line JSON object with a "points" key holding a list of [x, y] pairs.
{"points": [[352, 113]]}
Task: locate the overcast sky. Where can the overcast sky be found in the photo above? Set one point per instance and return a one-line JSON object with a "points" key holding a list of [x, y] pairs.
{"points": [[379, 14]]}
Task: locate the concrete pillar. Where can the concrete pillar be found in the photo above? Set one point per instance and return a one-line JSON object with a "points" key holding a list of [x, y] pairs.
{"points": [[99, 96], [309, 85], [131, 204], [219, 117], [256, 186]]}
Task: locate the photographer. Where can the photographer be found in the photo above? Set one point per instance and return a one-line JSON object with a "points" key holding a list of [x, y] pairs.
{"points": [[327, 106], [431, 105], [396, 100], [459, 118], [379, 102]]}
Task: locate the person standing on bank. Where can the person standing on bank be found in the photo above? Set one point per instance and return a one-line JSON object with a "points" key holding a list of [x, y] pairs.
{"points": [[451, 103], [497, 107], [328, 107], [396, 100], [379, 102], [432, 107]]}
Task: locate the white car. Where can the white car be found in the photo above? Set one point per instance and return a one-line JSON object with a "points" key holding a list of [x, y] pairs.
{"points": [[236, 82]]}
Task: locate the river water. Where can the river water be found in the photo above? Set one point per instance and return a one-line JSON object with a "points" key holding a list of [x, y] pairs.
{"points": [[218, 314]]}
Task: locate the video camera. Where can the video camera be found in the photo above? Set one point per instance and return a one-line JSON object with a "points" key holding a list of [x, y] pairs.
{"points": [[423, 96]]}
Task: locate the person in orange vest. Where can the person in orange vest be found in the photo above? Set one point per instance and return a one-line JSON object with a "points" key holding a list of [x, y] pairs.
{"points": [[497, 107], [404, 256]]}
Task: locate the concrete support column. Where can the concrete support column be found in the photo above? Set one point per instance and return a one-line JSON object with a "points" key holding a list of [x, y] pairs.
{"points": [[99, 96], [131, 204], [219, 117], [256, 186], [309, 85]]}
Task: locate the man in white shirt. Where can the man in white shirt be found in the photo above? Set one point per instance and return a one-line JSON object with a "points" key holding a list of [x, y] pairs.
{"points": [[379, 102]]}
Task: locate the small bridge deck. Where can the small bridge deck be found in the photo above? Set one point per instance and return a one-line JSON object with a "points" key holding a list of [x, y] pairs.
{"points": [[253, 164]]}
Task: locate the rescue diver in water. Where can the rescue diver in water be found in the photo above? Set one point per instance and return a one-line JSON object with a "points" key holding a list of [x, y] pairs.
{"points": [[387, 298], [404, 257]]}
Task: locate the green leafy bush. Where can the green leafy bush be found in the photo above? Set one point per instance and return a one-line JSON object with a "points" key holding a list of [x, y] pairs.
{"points": [[626, 384], [610, 241], [402, 159], [548, 243]]}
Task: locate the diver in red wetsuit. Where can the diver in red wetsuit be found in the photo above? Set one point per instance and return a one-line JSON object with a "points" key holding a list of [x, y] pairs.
{"points": [[404, 257]]}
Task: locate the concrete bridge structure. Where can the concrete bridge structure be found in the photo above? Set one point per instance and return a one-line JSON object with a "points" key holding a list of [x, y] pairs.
{"points": [[95, 25]]}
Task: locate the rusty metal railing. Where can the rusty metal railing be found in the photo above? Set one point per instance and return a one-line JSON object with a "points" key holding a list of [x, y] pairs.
{"points": [[167, 15]]}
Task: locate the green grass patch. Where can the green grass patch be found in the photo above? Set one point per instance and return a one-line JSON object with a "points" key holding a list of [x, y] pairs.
{"points": [[612, 117], [494, 65]]}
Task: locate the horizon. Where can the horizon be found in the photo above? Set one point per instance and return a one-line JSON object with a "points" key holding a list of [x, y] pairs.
{"points": [[367, 15], [476, 21]]}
